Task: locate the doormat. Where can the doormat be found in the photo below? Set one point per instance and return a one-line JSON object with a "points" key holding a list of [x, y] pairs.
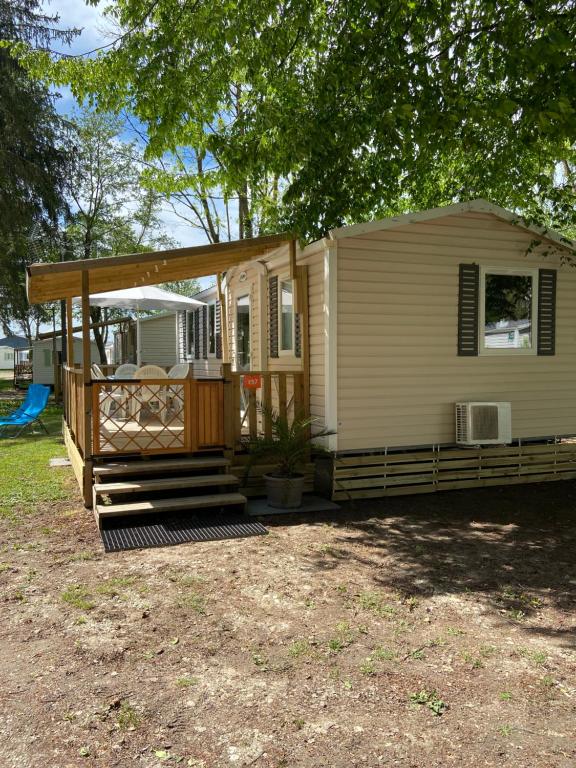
{"points": [[144, 531]]}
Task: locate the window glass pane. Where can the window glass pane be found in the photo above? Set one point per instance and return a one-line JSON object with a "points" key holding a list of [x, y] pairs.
{"points": [[190, 333], [286, 316], [212, 329], [508, 312], [243, 333]]}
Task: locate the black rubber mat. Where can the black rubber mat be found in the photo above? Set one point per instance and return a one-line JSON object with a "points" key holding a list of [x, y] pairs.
{"points": [[143, 531]]}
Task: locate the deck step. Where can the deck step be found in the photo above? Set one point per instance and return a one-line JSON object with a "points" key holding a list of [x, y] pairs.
{"points": [[161, 465], [170, 505], [165, 484]]}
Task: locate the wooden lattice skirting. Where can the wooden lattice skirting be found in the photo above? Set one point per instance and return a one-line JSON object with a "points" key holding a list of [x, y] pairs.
{"points": [[443, 469]]}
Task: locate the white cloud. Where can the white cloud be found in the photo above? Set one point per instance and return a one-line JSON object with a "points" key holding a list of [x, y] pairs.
{"points": [[76, 14]]}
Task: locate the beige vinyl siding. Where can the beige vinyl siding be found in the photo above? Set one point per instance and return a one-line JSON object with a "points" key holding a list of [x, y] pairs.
{"points": [[316, 322], [399, 374], [157, 342]]}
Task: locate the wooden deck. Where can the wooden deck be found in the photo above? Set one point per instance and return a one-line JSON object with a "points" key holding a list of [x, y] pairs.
{"points": [[107, 419]]}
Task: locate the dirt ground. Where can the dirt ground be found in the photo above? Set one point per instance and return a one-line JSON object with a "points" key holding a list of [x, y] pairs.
{"points": [[423, 631]]}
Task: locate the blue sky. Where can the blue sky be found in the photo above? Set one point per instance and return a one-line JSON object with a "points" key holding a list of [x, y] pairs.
{"points": [[97, 31]]}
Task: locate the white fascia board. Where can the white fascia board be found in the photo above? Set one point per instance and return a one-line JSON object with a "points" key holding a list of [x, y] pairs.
{"points": [[472, 206], [331, 342]]}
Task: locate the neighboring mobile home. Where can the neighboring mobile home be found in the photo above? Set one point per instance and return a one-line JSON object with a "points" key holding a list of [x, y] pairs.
{"points": [[8, 345], [6, 358], [157, 339], [200, 336], [43, 358]]}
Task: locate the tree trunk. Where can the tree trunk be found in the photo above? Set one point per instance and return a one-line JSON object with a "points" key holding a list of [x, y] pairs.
{"points": [[246, 227], [96, 317]]}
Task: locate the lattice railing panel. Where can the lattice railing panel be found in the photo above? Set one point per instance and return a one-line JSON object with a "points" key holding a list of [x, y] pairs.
{"points": [[148, 416]]}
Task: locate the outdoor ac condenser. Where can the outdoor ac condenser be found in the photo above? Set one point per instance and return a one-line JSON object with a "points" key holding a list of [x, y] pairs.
{"points": [[483, 423]]}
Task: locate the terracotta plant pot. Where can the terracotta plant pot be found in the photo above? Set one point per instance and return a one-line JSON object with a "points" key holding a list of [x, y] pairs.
{"points": [[284, 492]]}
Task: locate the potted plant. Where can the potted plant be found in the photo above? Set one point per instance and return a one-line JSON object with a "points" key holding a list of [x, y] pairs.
{"points": [[287, 448]]}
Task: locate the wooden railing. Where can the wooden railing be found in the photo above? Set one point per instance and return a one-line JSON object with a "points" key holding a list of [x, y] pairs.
{"points": [[149, 416], [74, 405], [257, 395], [155, 416]]}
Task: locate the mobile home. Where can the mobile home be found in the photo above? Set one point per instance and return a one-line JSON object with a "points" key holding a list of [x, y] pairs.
{"points": [[381, 331], [43, 358], [8, 345]]}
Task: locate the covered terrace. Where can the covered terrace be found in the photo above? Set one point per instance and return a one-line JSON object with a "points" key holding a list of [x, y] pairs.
{"points": [[106, 417]]}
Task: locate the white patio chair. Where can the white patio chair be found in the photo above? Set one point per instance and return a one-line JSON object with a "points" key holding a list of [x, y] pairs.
{"points": [[155, 393], [176, 395], [97, 372], [126, 371], [179, 371], [111, 397]]}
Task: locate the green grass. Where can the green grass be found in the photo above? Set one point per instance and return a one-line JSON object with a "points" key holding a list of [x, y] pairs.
{"points": [[26, 480], [78, 596]]}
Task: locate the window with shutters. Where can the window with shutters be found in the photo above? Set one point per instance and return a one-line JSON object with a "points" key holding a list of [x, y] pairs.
{"points": [[286, 317], [508, 311]]}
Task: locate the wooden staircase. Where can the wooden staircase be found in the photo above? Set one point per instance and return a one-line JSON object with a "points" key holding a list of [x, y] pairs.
{"points": [[148, 485]]}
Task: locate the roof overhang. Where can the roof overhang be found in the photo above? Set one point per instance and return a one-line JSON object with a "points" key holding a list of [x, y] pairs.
{"points": [[61, 280], [474, 206]]}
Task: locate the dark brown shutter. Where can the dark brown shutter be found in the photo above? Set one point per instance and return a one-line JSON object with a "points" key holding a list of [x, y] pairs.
{"points": [[196, 334], [205, 332], [218, 329], [469, 286], [273, 315], [297, 336], [546, 312]]}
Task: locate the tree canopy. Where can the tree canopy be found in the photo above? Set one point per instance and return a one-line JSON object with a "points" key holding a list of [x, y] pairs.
{"points": [[359, 107]]}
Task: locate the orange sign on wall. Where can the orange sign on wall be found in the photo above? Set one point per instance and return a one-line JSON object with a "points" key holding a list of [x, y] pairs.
{"points": [[252, 381]]}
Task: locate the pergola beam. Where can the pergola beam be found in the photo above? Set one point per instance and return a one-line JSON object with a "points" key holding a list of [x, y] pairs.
{"points": [[49, 282]]}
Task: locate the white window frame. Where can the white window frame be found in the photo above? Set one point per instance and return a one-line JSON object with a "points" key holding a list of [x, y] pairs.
{"points": [[237, 298], [190, 314], [286, 352], [513, 272], [208, 353]]}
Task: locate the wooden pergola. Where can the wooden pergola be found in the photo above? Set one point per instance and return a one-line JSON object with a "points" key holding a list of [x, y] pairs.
{"points": [[68, 279], [83, 414]]}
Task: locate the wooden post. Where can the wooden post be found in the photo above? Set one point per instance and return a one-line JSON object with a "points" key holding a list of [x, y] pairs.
{"points": [[267, 404], [223, 321], [69, 335], [87, 384], [229, 410]]}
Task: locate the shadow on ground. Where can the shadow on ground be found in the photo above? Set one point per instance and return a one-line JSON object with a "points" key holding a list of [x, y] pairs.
{"points": [[513, 548]]}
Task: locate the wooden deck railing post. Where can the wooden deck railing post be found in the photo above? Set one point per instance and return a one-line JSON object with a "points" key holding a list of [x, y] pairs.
{"points": [[87, 385], [230, 408]]}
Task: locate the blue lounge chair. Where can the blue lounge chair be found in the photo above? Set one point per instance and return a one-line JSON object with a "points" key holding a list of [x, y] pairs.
{"points": [[29, 412]]}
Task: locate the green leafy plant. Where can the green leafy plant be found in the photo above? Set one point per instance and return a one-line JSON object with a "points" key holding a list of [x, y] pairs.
{"points": [[288, 446], [431, 700]]}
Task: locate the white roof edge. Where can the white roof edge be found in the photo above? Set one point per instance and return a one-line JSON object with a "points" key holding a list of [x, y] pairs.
{"points": [[475, 206]]}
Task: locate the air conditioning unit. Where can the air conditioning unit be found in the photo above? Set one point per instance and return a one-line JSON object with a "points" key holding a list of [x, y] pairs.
{"points": [[483, 423]]}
